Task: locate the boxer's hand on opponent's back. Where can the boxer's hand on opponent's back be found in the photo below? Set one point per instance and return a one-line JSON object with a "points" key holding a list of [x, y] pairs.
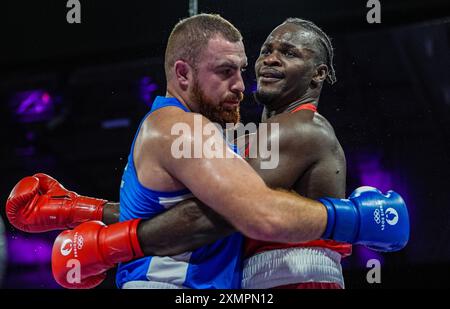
{"points": [[40, 203], [80, 257], [370, 218]]}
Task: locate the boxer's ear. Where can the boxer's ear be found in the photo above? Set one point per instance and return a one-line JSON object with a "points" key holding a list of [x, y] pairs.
{"points": [[320, 74], [183, 73]]}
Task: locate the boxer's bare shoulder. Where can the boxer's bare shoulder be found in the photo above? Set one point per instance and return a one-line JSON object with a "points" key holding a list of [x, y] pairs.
{"points": [[153, 144], [328, 170], [302, 129], [309, 150], [168, 138]]}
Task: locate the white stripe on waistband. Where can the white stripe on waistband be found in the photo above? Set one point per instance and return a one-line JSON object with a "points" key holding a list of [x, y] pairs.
{"points": [[168, 202], [292, 265], [170, 269], [150, 285]]}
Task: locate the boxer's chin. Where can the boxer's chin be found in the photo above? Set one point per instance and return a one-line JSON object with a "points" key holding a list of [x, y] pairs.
{"points": [[267, 98], [215, 112], [230, 116]]}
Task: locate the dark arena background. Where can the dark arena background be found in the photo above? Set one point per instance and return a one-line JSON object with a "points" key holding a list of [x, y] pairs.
{"points": [[72, 96]]}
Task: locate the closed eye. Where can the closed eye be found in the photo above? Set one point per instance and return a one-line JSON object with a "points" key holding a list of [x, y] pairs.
{"points": [[226, 70]]}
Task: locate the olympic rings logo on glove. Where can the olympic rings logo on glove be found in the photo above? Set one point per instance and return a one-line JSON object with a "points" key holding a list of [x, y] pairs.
{"points": [[377, 216], [80, 242]]}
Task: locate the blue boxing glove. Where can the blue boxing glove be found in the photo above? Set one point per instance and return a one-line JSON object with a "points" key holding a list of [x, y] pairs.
{"points": [[370, 218]]}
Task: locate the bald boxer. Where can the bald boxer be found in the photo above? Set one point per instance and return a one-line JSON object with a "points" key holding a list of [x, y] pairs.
{"points": [[205, 81]]}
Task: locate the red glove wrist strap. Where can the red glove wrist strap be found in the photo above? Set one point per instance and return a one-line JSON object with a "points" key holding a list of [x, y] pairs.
{"points": [[134, 239]]}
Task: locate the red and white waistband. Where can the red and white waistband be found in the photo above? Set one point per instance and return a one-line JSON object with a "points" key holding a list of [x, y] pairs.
{"points": [[292, 265]]}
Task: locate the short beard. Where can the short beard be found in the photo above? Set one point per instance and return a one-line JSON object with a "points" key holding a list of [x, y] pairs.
{"points": [[212, 111]]}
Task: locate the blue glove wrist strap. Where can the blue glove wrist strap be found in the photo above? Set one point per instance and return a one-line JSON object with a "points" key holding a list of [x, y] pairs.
{"points": [[343, 220], [328, 234]]}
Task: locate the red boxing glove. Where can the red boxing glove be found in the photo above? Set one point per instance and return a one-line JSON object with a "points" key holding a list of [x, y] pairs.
{"points": [[40, 203], [80, 257]]}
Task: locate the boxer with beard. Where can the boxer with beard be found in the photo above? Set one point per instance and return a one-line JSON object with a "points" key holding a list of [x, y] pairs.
{"points": [[218, 113], [236, 198]]}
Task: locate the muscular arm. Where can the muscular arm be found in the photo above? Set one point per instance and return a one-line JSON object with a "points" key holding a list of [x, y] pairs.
{"points": [[185, 227], [190, 224], [226, 183], [311, 160], [298, 150], [111, 213]]}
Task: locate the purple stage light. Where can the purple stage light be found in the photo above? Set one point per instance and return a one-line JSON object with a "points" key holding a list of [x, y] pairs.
{"points": [[28, 250], [147, 88], [364, 255], [32, 105], [371, 172], [45, 98], [29, 258]]}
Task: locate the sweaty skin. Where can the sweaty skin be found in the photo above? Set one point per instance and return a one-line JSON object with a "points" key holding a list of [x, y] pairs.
{"points": [[312, 162]]}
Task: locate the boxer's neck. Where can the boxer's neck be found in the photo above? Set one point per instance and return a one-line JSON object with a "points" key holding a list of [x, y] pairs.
{"points": [[297, 103], [174, 94], [268, 113], [311, 95]]}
